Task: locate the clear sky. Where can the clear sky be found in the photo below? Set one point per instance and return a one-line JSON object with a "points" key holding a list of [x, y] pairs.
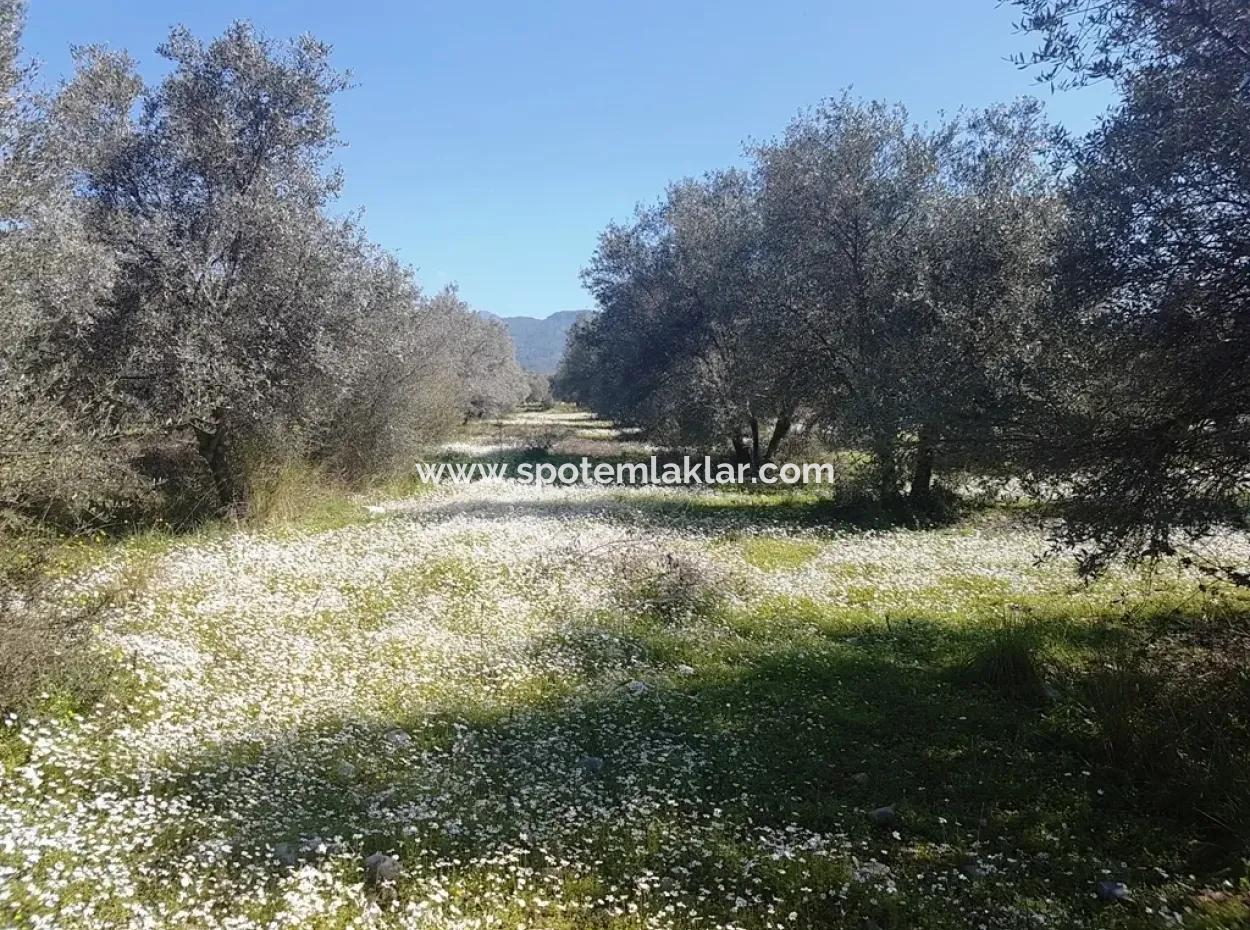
{"points": [[489, 143]]}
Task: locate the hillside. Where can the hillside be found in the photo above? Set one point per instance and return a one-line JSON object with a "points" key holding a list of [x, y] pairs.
{"points": [[540, 342]]}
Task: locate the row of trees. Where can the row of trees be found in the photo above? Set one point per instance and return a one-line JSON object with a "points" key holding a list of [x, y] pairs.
{"points": [[985, 292], [865, 276], [173, 276]]}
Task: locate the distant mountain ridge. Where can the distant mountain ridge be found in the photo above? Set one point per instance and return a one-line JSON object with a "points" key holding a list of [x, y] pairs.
{"points": [[540, 343]]}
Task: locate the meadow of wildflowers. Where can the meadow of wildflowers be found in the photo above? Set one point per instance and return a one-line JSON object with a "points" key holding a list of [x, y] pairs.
{"points": [[501, 705]]}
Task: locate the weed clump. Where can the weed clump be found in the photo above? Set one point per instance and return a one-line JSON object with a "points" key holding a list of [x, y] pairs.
{"points": [[672, 586], [1010, 662], [46, 652], [1170, 724]]}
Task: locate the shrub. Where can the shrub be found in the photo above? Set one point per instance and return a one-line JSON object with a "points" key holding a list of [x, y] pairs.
{"points": [[57, 464], [184, 495], [540, 444], [539, 387], [853, 484], [283, 488]]}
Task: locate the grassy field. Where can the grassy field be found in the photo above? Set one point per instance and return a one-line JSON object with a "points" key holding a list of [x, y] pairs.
{"points": [[505, 706]]}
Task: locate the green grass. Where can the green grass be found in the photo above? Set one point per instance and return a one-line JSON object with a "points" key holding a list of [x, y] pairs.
{"points": [[1032, 737], [773, 554], [819, 720], [901, 707]]}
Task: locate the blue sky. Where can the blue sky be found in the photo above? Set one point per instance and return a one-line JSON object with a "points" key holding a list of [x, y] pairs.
{"points": [[489, 143]]}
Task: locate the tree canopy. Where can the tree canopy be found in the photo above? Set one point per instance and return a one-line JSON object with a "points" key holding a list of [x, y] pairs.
{"points": [[174, 273]]}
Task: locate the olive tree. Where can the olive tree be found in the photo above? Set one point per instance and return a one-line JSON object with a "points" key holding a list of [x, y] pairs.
{"points": [[845, 194], [60, 444], [692, 348], [224, 307], [173, 274], [1150, 415], [981, 293], [873, 278]]}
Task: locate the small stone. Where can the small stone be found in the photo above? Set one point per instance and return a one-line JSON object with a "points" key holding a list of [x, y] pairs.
{"points": [[636, 687], [346, 771], [870, 871], [973, 870], [883, 816], [1050, 692], [590, 765], [286, 853], [685, 671], [398, 739], [380, 867], [860, 778], [1112, 891]]}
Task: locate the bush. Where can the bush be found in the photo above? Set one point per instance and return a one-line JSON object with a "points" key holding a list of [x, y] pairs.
{"points": [[283, 488], [854, 479], [539, 444], [184, 495], [57, 465], [539, 388]]}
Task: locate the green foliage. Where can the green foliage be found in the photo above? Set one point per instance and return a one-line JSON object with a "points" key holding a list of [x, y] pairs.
{"points": [[539, 396], [1133, 403], [984, 295], [867, 281], [290, 491], [177, 288]]}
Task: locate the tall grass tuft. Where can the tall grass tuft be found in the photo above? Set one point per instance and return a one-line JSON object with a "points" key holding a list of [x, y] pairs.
{"points": [[1009, 661], [1171, 725], [671, 586], [46, 648], [289, 491]]}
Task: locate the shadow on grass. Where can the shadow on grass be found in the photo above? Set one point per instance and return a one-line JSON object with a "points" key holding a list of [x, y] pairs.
{"points": [[712, 512], [707, 508], [716, 779], [730, 506]]}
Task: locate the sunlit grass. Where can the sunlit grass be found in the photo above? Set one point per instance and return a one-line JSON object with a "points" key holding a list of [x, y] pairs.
{"points": [[604, 708]]}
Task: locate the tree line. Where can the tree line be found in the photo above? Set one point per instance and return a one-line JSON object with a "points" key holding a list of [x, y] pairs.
{"points": [[179, 296], [987, 293]]}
